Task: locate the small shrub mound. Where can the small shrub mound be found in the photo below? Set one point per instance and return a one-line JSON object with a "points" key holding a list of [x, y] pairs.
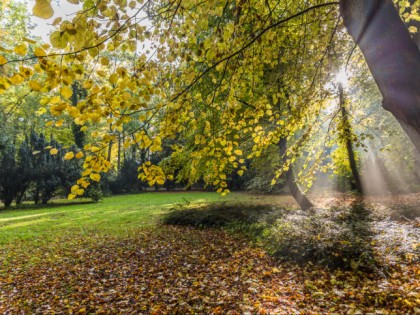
{"points": [[336, 237], [222, 215]]}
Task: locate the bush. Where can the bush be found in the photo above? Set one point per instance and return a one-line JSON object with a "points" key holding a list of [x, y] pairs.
{"points": [[336, 237], [221, 215], [94, 192]]}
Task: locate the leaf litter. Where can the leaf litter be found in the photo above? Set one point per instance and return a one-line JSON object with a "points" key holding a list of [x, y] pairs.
{"points": [[182, 270]]}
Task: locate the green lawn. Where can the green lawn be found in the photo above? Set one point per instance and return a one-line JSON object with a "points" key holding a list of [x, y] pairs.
{"points": [[116, 215]]}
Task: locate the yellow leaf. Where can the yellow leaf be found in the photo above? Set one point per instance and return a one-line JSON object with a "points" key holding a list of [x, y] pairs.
{"points": [[101, 73], [69, 156], [74, 188], [41, 111], [71, 196], [412, 29], [16, 79], [66, 92], [59, 39], [2, 60], [94, 176], [8, 51], [28, 40], [104, 61], [20, 49], [113, 78], [240, 172], [49, 123], [80, 191], [88, 84], [35, 85], [39, 52], [59, 123], [73, 1], [57, 21], [85, 184], [53, 151], [43, 9]]}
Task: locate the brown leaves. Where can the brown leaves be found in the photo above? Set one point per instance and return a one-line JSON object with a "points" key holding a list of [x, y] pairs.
{"points": [[186, 271]]}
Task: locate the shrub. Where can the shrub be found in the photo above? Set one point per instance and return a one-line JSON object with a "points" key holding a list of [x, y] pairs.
{"points": [[337, 237]]}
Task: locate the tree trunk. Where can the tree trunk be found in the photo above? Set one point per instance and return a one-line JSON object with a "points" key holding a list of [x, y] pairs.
{"points": [[347, 138], [119, 154], [392, 56], [294, 188]]}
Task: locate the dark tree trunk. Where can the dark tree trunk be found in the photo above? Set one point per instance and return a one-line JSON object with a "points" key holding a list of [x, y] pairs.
{"points": [[294, 188], [119, 154], [392, 56], [347, 138]]}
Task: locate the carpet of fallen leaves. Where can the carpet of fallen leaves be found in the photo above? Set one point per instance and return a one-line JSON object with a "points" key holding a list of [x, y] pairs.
{"points": [[179, 270]]}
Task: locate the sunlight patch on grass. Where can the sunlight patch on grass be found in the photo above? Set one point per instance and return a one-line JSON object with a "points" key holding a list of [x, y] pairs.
{"points": [[25, 223], [25, 217]]}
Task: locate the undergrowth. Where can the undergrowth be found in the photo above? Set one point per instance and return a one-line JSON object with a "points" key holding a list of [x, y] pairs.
{"points": [[345, 237]]}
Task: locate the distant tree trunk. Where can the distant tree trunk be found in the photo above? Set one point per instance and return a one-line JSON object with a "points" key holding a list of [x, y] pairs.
{"points": [[36, 195], [392, 56], [347, 138], [21, 193], [294, 188], [119, 154]]}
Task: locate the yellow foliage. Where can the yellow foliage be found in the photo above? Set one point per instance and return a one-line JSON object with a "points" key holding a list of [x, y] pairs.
{"points": [[20, 49], [3, 60], [43, 9], [69, 155], [95, 177]]}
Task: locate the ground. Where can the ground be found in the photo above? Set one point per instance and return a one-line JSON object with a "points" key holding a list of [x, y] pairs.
{"points": [[115, 257]]}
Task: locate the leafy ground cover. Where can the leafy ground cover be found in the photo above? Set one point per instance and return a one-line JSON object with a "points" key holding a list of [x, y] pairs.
{"points": [[116, 258]]}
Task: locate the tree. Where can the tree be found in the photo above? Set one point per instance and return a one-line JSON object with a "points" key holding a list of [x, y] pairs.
{"points": [[9, 182], [226, 46], [348, 137], [392, 56]]}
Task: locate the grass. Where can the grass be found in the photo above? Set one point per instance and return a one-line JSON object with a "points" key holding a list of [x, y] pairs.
{"points": [[116, 215]]}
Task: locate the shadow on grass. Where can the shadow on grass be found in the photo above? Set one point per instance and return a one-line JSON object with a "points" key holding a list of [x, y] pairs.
{"points": [[339, 237]]}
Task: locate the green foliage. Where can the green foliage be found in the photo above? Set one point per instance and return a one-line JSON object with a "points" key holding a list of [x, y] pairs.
{"points": [[9, 180], [127, 179], [94, 192]]}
